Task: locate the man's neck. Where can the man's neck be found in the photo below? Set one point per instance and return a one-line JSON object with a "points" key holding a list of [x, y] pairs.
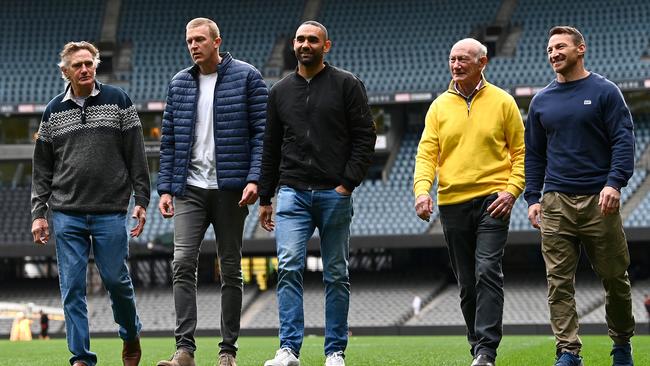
{"points": [[82, 92], [211, 66], [574, 74], [467, 88], [309, 72]]}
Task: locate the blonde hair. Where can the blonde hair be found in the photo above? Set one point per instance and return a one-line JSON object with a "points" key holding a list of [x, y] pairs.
{"points": [[212, 26], [72, 47]]}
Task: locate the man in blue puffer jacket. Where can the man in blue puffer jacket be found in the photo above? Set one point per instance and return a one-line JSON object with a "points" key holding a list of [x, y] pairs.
{"points": [[210, 157]]}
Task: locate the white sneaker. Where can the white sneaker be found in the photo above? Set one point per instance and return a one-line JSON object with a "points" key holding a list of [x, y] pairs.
{"points": [[335, 359], [283, 357]]}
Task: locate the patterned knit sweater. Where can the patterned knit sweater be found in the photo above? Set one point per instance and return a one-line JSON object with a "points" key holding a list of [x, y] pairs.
{"points": [[89, 159]]}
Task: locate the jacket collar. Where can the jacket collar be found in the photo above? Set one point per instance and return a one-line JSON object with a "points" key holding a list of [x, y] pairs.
{"points": [[226, 59], [322, 72]]}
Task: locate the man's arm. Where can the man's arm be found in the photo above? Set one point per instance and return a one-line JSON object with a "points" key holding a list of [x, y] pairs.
{"points": [[167, 147], [426, 162], [271, 152], [136, 159], [362, 135], [535, 164], [42, 173], [620, 129], [257, 99]]}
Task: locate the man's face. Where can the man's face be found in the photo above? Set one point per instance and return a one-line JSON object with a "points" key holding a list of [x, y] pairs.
{"points": [[563, 54], [80, 70], [464, 65], [310, 45], [202, 47]]}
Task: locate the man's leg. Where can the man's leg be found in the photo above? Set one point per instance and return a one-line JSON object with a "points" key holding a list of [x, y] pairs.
{"points": [[111, 249], [294, 226], [72, 248], [606, 246], [228, 222], [491, 236], [459, 228], [333, 214], [190, 224], [561, 252]]}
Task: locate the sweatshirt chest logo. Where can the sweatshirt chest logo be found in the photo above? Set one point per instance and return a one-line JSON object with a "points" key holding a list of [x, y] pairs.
{"points": [[587, 102]]}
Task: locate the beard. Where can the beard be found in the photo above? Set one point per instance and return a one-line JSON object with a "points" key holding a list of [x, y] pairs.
{"points": [[309, 59]]}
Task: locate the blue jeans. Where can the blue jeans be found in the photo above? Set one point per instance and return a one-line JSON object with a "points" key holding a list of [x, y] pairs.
{"points": [[75, 234], [476, 243], [298, 213]]}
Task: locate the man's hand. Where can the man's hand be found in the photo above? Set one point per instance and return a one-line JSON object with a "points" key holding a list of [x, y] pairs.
{"points": [[535, 215], [609, 201], [342, 190], [266, 218], [139, 213], [502, 206], [166, 206], [424, 207], [249, 195], [40, 231]]}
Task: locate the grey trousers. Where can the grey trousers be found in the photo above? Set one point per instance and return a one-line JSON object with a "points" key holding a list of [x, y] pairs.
{"points": [[193, 215]]}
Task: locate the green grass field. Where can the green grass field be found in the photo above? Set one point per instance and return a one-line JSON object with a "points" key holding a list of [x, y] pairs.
{"points": [[362, 351]]}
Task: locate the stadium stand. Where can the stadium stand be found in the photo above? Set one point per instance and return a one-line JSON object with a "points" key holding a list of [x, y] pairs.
{"points": [[156, 59], [30, 76]]}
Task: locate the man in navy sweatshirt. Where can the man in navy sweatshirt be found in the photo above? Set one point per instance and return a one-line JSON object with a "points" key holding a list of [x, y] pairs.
{"points": [[89, 160], [580, 147]]}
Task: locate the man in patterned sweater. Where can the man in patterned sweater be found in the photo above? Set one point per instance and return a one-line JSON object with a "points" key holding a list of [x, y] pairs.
{"points": [[88, 159]]}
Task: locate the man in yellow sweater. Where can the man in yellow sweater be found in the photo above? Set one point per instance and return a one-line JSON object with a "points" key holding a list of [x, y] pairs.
{"points": [[474, 137]]}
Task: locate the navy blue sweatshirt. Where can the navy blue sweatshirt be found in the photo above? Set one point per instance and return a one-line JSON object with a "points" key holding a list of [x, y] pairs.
{"points": [[579, 138]]}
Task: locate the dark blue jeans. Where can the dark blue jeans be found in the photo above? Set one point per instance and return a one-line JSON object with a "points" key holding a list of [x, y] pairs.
{"points": [[476, 244], [299, 213], [75, 233]]}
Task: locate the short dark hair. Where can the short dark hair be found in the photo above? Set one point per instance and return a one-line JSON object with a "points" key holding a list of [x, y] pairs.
{"points": [[575, 34], [317, 24]]}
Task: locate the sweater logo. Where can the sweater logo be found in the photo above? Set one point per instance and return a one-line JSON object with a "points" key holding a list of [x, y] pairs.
{"points": [[587, 102]]}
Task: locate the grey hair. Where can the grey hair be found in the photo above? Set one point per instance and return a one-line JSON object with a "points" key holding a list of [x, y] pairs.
{"points": [[72, 47]]}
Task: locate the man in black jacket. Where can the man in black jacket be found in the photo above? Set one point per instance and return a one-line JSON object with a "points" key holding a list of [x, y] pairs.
{"points": [[318, 145]]}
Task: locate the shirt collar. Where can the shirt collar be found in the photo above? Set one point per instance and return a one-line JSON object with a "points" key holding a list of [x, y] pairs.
{"points": [[69, 95], [478, 86]]}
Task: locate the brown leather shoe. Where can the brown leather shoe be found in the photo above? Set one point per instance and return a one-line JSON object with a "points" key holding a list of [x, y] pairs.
{"points": [[226, 359], [131, 352], [180, 358]]}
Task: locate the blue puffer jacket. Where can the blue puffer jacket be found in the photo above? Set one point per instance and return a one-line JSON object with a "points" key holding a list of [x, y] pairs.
{"points": [[239, 119]]}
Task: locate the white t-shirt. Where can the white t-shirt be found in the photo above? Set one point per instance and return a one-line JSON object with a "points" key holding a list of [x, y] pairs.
{"points": [[203, 168]]}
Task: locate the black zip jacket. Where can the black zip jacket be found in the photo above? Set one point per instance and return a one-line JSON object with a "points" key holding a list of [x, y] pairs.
{"points": [[319, 134]]}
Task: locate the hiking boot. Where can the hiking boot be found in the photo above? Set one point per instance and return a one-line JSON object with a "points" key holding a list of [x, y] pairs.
{"points": [[180, 358], [227, 359], [131, 352], [622, 355], [335, 359], [283, 357], [568, 359]]}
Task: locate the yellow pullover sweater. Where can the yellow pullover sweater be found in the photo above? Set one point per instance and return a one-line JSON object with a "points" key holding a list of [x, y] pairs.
{"points": [[478, 150]]}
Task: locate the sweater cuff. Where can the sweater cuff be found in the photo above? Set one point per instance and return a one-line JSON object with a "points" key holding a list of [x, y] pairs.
{"points": [[265, 200], [421, 187], [141, 201], [514, 190]]}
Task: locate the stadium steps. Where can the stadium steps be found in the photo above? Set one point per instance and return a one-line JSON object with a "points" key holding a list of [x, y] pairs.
{"points": [[438, 289]]}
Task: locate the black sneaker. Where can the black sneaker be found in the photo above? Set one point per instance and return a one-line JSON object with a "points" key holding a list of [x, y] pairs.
{"points": [[483, 360], [622, 355], [568, 359]]}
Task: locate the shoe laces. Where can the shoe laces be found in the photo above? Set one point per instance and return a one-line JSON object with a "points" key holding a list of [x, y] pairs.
{"points": [[336, 356], [286, 351]]}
